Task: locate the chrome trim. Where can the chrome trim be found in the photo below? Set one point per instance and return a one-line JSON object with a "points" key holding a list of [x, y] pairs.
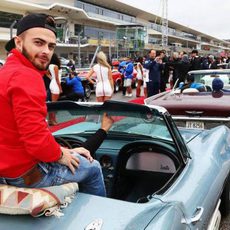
{"points": [[195, 218], [94, 225], [216, 119], [194, 112]]}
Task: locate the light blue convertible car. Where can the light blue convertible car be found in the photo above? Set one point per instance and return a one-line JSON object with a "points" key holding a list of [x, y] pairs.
{"points": [[157, 177]]}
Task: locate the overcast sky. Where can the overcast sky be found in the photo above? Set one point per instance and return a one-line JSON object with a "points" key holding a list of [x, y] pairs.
{"points": [[211, 17]]}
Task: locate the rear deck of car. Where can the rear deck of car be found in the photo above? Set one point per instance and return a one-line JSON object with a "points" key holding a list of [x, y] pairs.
{"points": [[208, 103]]}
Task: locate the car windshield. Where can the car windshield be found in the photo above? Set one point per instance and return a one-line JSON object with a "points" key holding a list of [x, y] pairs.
{"points": [[134, 120], [206, 78]]}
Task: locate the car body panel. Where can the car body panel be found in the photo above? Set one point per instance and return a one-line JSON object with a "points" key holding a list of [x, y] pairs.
{"points": [[195, 172], [86, 208]]}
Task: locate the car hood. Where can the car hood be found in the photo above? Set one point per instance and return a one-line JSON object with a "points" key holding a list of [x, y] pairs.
{"points": [[85, 210], [189, 134]]}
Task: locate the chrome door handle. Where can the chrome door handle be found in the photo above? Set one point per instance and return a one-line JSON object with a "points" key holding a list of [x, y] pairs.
{"points": [[195, 218]]}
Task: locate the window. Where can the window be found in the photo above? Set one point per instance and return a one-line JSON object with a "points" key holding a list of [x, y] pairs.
{"points": [[6, 19]]}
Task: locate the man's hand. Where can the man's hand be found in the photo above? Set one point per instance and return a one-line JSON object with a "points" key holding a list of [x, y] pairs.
{"points": [[158, 59], [84, 152], [68, 159], [106, 122]]}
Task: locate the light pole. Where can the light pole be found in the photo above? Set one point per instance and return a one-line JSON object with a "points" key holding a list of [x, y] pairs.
{"points": [[110, 48], [79, 48], [11, 28]]}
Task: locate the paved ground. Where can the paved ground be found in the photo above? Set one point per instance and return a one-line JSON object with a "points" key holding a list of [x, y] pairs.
{"points": [[225, 223], [118, 96]]}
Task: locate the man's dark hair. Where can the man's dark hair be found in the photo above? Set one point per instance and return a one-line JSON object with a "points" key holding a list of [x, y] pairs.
{"points": [[195, 52], [55, 60]]}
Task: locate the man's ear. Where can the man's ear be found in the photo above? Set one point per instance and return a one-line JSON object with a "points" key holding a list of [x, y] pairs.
{"points": [[18, 43]]}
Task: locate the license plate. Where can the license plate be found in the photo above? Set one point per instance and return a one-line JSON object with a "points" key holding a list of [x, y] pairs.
{"points": [[194, 125]]}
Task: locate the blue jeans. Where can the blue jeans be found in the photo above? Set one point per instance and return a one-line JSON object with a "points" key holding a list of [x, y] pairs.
{"points": [[88, 175]]}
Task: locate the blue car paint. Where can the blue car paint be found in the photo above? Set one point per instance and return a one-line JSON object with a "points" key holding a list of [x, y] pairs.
{"points": [[199, 184]]}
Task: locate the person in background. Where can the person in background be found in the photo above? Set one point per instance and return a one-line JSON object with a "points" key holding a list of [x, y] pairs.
{"points": [[195, 60], [121, 69], [154, 65], [212, 62], [30, 155], [77, 89], [140, 75], [181, 67], [164, 71], [192, 84], [104, 80], [217, 87], [204, 63], [55, 84], [71, 65], [47, 80], [128, 77], [145, 80]]}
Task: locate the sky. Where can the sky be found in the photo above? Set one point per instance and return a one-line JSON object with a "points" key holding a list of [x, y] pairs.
{"points": [[211, 17]]}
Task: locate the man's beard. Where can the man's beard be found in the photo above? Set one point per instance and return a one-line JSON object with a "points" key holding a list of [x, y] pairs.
{"points": [[32, 60]]}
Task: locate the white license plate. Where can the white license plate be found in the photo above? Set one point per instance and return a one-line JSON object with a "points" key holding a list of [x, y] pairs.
{"points": [[194, 124]]}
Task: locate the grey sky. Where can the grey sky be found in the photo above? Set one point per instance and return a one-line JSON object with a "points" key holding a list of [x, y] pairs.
{"points": [[211, 17]]}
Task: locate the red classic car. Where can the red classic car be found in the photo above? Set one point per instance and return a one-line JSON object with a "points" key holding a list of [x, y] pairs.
{"points": [[198, 109]]}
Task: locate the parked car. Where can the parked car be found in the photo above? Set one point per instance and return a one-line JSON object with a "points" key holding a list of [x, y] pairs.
{"points": [[156, 176], [206, 77], [194, 109], [88, 87]]}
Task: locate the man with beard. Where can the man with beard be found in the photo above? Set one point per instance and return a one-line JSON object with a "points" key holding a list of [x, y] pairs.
{"points": [[30, 156]]}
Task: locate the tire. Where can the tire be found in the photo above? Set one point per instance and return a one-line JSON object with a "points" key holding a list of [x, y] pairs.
{"points": [[225, 199], [87, 91]]}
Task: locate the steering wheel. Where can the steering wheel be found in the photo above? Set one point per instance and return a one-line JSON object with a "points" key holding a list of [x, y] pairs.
{"points": [[70, 144]]}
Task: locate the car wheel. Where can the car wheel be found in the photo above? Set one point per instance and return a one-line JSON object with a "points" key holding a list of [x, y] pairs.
{"points": [[87, 91], [225, 199]]}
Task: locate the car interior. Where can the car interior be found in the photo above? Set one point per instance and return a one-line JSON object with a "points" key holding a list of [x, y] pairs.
{"points": [[133, 170]]}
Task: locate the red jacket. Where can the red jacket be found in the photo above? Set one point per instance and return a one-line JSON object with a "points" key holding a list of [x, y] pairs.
{"points": [[25, 138]]}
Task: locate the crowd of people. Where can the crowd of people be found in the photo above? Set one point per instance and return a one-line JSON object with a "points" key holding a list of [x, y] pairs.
{"points": [[157, 70], [152, 73]]}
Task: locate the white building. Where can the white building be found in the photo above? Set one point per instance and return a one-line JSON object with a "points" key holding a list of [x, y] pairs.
{"points": [[119, 29]]}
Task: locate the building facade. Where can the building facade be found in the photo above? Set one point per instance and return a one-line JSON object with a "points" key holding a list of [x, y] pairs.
{"points": [[116, 28]]}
